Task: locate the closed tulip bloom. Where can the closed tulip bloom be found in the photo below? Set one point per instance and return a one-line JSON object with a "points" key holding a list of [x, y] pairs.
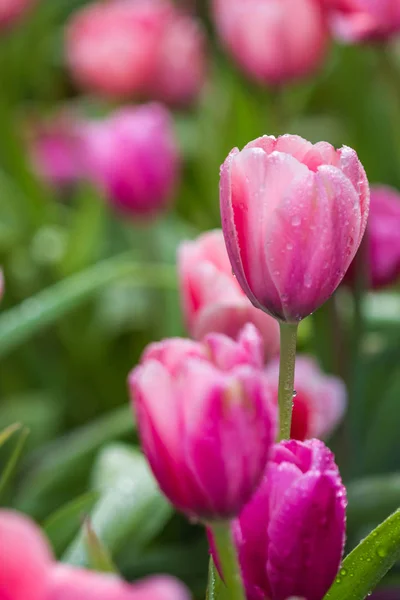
{"points": [[25, 558], [212, 299], [11, 11], [364, 20], [206, 420], [293, 216], [274, 41], [132, 157], [111, 48], [320, 399], [291, 535], [69, 583]]}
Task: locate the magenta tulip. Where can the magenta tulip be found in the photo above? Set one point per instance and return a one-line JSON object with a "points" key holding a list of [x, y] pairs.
{"points": [[293, 216], [206, 420], [69, 583], [274, 41], [291, 535], [212, 300], [132, 157], [12, 11], [25, 558], [364, 20], [320, 400]]}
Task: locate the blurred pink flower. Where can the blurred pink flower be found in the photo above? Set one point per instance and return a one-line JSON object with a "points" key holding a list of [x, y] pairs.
{"points": [[293, 216], [11, 11], [25, 558], [364, 20], [144, 48], [212, 299], [320, 400], [55, 148], [201, 404], [383, 238], [132, 156], [274, 41], [69, 583], [291, 534]]}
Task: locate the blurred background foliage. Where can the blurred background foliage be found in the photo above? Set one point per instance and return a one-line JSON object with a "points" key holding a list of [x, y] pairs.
{"points": [[86, 290]]}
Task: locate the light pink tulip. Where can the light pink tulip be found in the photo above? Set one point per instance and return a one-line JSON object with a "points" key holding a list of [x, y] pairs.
{"points": [[364, 20], [25, 558], [320, 400], [11, 11], [112, 47], [274, 41], [202, 405], [212, 299], [293, 216], [69, 583], [132, 156], [383, 239], [291, 535]]}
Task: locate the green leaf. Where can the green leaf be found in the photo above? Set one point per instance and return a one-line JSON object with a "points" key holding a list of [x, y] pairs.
{"points": [[20, 323], [216, 589], [98, 555], [13, 460], [8, 432], [367, 564], [131, 507], [63, 525]]}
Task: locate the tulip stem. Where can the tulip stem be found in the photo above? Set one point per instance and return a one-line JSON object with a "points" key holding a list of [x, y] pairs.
{"points": [[228, 560], [286, 378]]}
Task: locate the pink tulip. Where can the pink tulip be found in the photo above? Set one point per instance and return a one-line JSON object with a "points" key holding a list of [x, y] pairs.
{"points": [[25, 558], [274, 41], [205, 420], [320, 400], [112, 47], [56, 152], [144, 48], [290, 536], [212, 299], [383, 240], [364, 20], [11, 11], [69, 583], [293, 216], [133, 158]]}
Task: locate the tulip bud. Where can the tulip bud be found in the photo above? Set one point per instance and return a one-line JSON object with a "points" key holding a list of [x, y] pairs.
{"points": [[132, 156], [383, 240], [274, 41], [212, 299], [205, 420], [319, 402], [25, 558], [69, 583], [11, 11], [293, 216], [291, 535], [363, 20]]}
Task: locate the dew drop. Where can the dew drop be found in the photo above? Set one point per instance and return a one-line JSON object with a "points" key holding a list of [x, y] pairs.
{"points": [[343, 572], [381, 552], [308, 281], [296, 220], [294, 393], [289, 246]]}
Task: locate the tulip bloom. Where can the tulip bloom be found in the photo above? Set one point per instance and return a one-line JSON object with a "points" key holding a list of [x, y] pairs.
{"points": [[141, 48], [291, 535], [274, 41], [383, 240], [11, 11], [293, 216], [212, 299], [320, 399], [205, 420], [25, 558], [363, 20], [133, 158]]}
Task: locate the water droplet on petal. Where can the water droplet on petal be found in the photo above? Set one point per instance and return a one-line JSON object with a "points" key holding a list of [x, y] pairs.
{"points": [[294, 393], [289, 246], [296, 220]]}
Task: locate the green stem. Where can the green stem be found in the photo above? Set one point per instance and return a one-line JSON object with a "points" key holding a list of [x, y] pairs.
{"points": [[286, 378], [228, 559]]}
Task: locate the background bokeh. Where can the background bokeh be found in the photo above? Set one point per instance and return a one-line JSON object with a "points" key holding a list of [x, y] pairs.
{"points": [[86, 287]]}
